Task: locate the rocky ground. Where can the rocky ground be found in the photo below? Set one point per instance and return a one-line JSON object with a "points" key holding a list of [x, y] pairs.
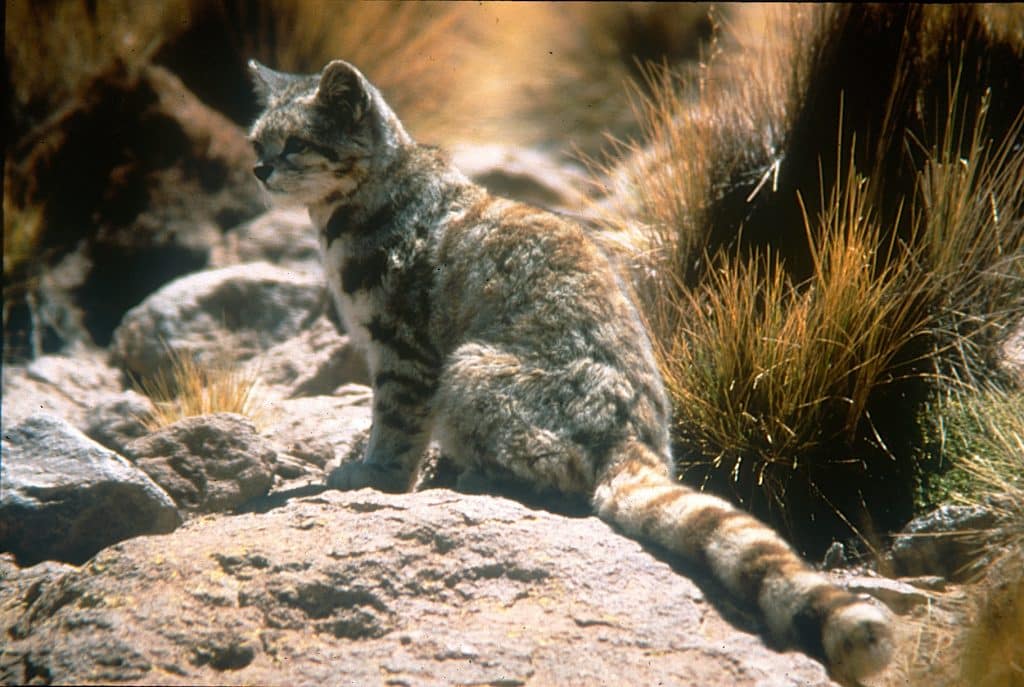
{"points": [[208, 551]]}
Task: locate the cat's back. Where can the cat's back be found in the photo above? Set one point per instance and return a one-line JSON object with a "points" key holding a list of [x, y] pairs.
{"points": [[516, 274]]}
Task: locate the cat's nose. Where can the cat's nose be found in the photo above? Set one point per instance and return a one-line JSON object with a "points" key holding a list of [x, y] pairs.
{"points": [[263, 172]]}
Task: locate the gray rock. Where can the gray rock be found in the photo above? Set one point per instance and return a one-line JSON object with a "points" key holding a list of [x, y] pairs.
{"points": [[943, 542], [65, 497], [314, 363], [432, 588], [208, 463], [526, 175], [239, 311], [117, 420], [320, 431], [835, 556], [931, 583], [901, 597], [62, 385], [282, 236]]}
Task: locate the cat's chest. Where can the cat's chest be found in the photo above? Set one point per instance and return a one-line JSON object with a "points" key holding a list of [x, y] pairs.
{"points": [[356, 281]]}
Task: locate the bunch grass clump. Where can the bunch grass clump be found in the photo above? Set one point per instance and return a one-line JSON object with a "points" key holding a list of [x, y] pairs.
{"points": [[772, 378], [969, 207], [401, 47], [189, 388], [810, 293]]}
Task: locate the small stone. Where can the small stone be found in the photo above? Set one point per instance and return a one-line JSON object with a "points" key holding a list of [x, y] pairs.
{"points": [[835, 556], [898, 596], [209, 463], [943, 542]]}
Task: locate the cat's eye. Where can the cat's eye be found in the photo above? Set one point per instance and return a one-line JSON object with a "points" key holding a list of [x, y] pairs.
{"points": [[258, 148], [294, 146]]}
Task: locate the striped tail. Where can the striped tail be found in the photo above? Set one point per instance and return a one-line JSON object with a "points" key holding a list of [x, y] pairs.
{"points": [[801, 608]]}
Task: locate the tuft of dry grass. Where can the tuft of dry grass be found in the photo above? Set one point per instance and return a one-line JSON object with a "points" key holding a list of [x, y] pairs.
{"points": [[189, 388], [806, 307], [53, 47], [414, 52], [969, 217], [21, 237], [774, 380]]}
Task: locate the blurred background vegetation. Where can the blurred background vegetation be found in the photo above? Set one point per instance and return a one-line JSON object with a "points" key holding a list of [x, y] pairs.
{"points": [[821, 209]]}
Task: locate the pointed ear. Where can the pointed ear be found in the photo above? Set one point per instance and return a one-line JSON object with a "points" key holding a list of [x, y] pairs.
{"points": [[344, 91], [266, 81]]}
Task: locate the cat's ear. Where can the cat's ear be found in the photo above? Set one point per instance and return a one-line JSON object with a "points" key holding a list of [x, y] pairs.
{"points": [[344, 91], [266, 81]]}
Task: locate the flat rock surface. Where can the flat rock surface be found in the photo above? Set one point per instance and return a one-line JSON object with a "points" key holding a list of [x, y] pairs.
{"points": [[364, 588]]}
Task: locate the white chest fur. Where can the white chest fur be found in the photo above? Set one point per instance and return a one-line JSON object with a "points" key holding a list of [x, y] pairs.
{"points": [[356, 309]]}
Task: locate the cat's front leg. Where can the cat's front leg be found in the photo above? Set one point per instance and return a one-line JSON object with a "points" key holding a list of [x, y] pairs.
{"points": [[402, 397]]}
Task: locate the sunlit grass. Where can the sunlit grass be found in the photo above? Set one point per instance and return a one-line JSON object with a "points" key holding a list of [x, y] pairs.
{"points": [[189, 388], [771, 377], [802, 312], [53, 47], [969, 208]]}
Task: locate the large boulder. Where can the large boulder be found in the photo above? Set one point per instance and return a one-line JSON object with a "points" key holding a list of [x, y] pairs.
{"points": [[64, 497], [137, 178], [238, 311], [432, 588], [208, 463]]}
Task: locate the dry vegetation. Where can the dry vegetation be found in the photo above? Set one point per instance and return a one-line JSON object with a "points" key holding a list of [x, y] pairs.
{"points": [[189, 388], [822, 252]]}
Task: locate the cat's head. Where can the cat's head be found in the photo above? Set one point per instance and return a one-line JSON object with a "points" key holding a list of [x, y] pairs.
{"points": [[321, 135]]}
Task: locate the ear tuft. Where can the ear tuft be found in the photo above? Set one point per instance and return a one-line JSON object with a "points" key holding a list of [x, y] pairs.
{"points": [[266, 81], [344, 90]]}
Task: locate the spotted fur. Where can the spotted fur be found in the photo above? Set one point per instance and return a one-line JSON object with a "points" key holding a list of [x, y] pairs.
{"points": [[502, 332]]}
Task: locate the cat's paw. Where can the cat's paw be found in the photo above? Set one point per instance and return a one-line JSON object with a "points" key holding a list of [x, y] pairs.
{"points": [[360, 475]]}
